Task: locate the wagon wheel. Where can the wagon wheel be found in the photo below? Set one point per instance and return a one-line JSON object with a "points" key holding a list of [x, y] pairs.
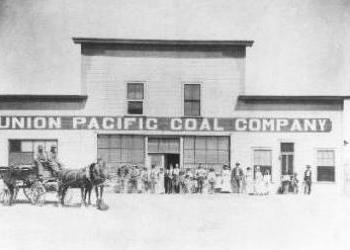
{"points": [[35, 193]]}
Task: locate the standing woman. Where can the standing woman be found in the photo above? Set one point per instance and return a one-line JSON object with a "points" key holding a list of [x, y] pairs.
{"points": [[249, 181], [160, 182], [267, 181], [226, 180], [259, 181]]}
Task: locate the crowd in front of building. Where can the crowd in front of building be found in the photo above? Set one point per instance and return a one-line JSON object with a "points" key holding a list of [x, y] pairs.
{"points": [[175, 180]]}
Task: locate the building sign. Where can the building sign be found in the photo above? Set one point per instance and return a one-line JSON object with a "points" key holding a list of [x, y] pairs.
{"points": [[166, 123]]}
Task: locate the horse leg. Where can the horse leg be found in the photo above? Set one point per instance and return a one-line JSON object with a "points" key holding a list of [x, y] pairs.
{"points": [[82, 196], [101, 191], [63, 194], [89, 194]]}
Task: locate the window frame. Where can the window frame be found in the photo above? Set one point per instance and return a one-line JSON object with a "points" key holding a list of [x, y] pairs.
{"points": [[316, 164], [253, 149], [199, 101], [135, 100], [33, 141]]}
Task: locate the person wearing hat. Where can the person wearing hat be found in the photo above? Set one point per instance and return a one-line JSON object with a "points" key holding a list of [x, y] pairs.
{"points": [[40, 159], [307, 180], [237, 178], [53, 161], [133, 181]]}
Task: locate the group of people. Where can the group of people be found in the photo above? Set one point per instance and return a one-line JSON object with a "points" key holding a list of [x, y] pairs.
{"points": [[47, 163], [174, 180]]}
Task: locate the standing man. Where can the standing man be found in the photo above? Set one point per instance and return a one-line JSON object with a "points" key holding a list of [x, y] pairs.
{"points": [[40, 159], [201, 174], [237, 177], [53, 161], [153, 179], [307, 180], [134, 175]]}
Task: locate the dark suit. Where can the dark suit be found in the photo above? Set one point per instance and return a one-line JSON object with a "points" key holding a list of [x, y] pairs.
{"points": [[237, 178]]}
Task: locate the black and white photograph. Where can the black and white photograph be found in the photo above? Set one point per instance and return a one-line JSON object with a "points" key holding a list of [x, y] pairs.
{"points": [[174, 124]]}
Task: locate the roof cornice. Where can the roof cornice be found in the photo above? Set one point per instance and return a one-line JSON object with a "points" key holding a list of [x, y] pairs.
{"points": [[161, 42]]}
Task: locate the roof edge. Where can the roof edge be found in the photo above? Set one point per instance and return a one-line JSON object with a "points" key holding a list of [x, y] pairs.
{"points": [[88, 40], [292, 98], [56, 98]]}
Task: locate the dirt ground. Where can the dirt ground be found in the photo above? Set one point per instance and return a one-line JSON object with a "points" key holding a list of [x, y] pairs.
{"points": [[139, 221]]}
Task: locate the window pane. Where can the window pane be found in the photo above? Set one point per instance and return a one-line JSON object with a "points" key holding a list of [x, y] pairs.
{"points": [[153, 145], [135, 91], [104, 154], [211, 156], [15, 146], [223, 157], [192, 92], [287, 147], [325, 173], [200, 143], [27, 146], [200, 156], [114, 155], [262, 157], [135, 107], [115, 141], [325, 158], [223, 143], [102, 141], [189, 156], [189, 143], [212, 143]]}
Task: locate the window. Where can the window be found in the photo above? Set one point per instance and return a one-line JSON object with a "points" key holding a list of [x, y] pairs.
{"points": [[287, 158], [22, 152], [209, 151], [263, 159], [325, 165], [118, 150], [135, 98], [192, 100]]}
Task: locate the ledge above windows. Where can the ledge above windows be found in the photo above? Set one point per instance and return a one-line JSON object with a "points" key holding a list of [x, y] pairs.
{"points": [[42, 102], [287, 102]]}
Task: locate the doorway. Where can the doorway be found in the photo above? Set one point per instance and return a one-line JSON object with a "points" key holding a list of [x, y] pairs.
{"points": [[171, 159]]}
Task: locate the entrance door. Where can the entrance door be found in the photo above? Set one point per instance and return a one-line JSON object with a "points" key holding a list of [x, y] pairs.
{"points": [[287, 158], [171, 159]]}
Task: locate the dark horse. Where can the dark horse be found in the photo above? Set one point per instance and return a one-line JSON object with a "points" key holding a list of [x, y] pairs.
{"points": [[98, 174], [85, 179]]}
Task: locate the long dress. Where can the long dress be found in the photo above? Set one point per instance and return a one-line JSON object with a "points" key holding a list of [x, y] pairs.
{"points": [[259, 183], [226, 181], [267, 182], [249, 181], [160, 183]]}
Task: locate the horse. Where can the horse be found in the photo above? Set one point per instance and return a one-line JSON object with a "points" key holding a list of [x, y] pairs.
{"points": [[73, 178], [98, 173], [8, 186]]}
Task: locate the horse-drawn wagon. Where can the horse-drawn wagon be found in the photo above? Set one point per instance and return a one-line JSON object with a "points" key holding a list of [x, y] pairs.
{"points": [[26, 178]]}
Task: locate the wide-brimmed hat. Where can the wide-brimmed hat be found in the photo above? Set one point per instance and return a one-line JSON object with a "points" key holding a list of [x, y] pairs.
{"points": [[238, 163], [308, 166]]}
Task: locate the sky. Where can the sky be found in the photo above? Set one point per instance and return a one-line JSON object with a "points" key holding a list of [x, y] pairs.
{"points": [[302, 47]]}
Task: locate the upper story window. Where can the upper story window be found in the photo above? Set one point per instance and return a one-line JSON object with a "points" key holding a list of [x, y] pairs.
{"points": [[135, 98], [325, 165], [192, 100]]}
